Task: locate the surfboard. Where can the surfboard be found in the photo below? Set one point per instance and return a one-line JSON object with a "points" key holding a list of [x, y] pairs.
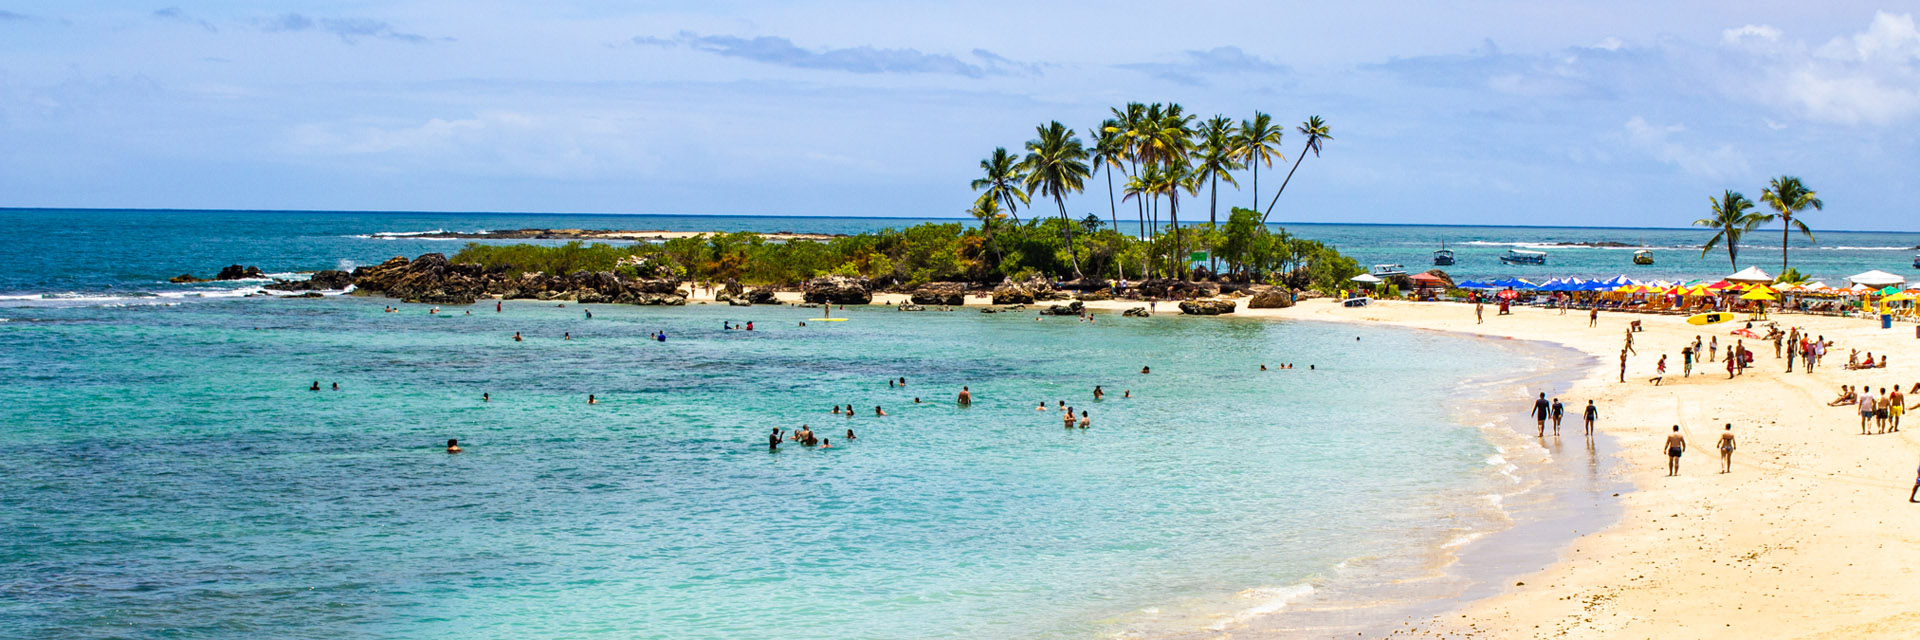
{"points": [[826, 320], [1710, 318]]}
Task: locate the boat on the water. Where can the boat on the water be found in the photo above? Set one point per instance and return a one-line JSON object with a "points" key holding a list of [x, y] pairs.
{"points": [[1643, 257], [1916, 262], [1388, 270], [1522, 256], [1444, 257]]}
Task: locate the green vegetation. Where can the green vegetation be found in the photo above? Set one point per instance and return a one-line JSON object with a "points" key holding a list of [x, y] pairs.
{"points": [[1787, 196], [1158, 152], [935, 252], [1733, 217]]}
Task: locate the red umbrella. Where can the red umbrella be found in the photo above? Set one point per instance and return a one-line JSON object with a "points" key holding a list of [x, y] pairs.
{"points": [[1508, 294]]}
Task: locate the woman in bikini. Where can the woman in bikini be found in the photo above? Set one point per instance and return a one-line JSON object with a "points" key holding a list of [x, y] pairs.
{"points": [[1726, 450]]}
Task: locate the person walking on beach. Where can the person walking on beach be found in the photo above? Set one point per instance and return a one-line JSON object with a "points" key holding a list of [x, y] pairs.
{"points": [[1866, 406], [1881, 408], [1593, 317], [1726, 449], [1793, 349], [1896, 405], [1686, 361], [1729, 362], [1915, 495], [1558, 411], [1630, 341], [1659, 371], [1541, 411], [1592, 416], [1713, 348], [1676, 445], [1479, 312], [1623, 365]]}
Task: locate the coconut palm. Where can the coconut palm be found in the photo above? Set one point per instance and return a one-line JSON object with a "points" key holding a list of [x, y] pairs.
{"points": [[1317, 132], [1125, 124], [1213, 161], [1138, 189], [1056, 164], [1732, 218], [1002, 181], [1109, 148], [1259, 143], [987, 211], [1787, 196], [1174, 178]]}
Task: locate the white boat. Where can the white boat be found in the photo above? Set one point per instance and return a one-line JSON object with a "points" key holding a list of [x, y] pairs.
{"points": [[1643, 257], [1521, 256], [1916, 262], [1388, 270]]}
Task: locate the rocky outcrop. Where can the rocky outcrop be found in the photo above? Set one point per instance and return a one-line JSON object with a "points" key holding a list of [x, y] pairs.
{"points": [[186, 278], [1206, 307], [761, 296], [1137, 312], [1093, 296], [321, 281], [1028, 292], [1012, 295], [838, 290], [1168, 288], [1445, 280], [739, 302], [237, 272], [1070, 309], [1275, 298], [949, 294], [430, 279], [907, 306]]}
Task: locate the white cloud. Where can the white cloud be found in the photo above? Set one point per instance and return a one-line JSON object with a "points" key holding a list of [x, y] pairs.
{"points": [[1752, 31], [569, 146], [1658, 141], [1868, 78]]}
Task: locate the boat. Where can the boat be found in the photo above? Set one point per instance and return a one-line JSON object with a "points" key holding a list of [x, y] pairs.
{"points": [[1384, 271], [1521, 256], [1444, 257], [1916, 262], [1643, 257]]}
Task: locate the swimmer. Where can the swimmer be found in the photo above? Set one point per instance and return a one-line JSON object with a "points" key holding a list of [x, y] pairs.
{"points": [[1067, 418], [469, 312], [1098, 393], [850, 435], [803, 323], [1146, 370], [1126, 393], [749, 325], [1085, 421], [315, 387], [773, 440], [1263, 366], [592, 400], [836, 409], [826, 443], [496, 306], [453, 445], [966, 397], [916, 400], [566, 335], [336, 387], [516, 336], [589, 313], [486, 397], [1042, 407], [878, 412], [903, 381], [889, 383]]}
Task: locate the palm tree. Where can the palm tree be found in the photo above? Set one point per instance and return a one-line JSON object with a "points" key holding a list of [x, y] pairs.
{"points": [[1732, 218], [1109, 148], [1788, 196], [1125, 124], [1138, 189], [987, 211], [1177, 177], [1213, 162], [1056, 164], [1002, 181], [1259, 143], [1316, 132]]}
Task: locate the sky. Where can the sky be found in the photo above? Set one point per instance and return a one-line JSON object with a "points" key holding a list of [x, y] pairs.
{"points": [[1591, 113]]}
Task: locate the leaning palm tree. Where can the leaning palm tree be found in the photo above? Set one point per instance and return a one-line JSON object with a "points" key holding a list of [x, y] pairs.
{"points": [[987, 211], [1056, 164], [1259, 143], [1213, 161], [1788, 196], [1002, 181], [1126, 124], [1316, 132], [1109, 148], [1732, 218]]}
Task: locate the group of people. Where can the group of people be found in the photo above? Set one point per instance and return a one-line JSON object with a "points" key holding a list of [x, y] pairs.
{"points": [[1677, 444], [804, 436], [1545, 411], [1883, 410]]}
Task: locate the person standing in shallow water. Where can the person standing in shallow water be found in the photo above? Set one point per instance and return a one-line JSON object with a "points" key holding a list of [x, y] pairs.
{"points": [[966, 397], [1676, 445], [453, 445], [1592, 416], [1541, 411], [1558, 411]]}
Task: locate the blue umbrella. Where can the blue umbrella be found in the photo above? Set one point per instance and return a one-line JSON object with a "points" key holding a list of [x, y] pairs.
{"points": [[1513, 283]]}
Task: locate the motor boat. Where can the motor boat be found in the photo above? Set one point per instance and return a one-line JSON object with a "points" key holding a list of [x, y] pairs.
{"points": [[1384, 271], [1521, 256], [1444, 257], [1643, 257]]}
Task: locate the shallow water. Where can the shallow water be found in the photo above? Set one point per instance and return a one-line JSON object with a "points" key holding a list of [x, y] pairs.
{"points": [[164, 471]]}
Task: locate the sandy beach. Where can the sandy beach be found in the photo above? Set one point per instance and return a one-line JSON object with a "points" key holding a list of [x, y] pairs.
{"points": [[1810, 536]]}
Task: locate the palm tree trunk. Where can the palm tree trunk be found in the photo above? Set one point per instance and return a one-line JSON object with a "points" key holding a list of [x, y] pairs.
{"points": [[1256, 179], [1071, 255], [1213, 220], [1786, 230], [1179, 254], [1283, 184], [1113, 214]]}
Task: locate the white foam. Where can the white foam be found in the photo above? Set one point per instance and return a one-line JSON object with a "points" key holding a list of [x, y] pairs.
{"points": [[1462, 540], [1266, 601]]}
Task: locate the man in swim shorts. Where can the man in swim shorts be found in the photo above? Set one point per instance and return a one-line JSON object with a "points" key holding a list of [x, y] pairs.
{"points": [[1593, 415], [1676, 445], [1866, 405], [1541, 410]]}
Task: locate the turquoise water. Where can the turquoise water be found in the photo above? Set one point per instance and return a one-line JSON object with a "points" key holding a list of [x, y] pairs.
{"points": [[165, 473]]}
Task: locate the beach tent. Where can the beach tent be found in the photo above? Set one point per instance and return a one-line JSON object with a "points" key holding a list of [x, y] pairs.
{"points": [[1750, 274], [1815, 286], [1427, 279], [1876, 279], [1366, 278]]}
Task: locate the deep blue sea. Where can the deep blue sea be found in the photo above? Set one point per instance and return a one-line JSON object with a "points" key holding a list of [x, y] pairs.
{"points": [[165, 473]]}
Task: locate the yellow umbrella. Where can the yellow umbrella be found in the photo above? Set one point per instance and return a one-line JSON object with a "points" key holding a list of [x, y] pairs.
{"points": [[1898, 297], [1759, 293]]}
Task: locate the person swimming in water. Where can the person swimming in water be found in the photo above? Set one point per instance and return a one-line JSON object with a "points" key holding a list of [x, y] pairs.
{"points": [[516, 336], [836, 409], [1085, 421], [1067, 417], [486, 397], [966, 397], [1042, 407], [826, 443], [566, 336], [916, 400], [1263, 366], [336, 387], [1145, 370], [1098, 393], [1126, 393], [589, 313], [592, 400], [878, 412], [315, 387], [850, 435], [453, 445]]}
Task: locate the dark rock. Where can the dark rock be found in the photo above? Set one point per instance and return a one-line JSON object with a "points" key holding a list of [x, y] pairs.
{"points": [[1275, 298], [1012, 295], [1070, 309], [1137, 312], [762, 296], [309, 294], [1445, 280], [838, 290], [739, 302], [1206, 307], [1092, 296], [989, 310], [185, 278], [321, 281], [237, 272], [949, 294], [911, 307]]}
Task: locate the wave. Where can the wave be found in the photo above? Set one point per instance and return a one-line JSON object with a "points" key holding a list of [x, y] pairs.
{"points": [[1267, 601], [407, 235]]}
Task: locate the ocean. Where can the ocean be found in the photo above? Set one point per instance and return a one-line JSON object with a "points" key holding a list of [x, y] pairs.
{"points": [[165, 471]]}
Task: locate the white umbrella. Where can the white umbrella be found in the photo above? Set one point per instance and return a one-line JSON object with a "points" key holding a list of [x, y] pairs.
{"points": [[1876, 279], [1750, 274], [1367, 278]]}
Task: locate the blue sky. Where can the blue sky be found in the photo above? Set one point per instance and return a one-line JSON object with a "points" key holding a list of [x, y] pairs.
{"points": [[1500, 112]]}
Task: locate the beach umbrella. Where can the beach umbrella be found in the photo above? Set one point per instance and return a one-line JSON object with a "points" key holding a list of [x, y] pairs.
{"points": [[1719, 285], [1876, 278], [1899, 297], [1507, 294], [1514, 283], [1366, 278], [1750, 274], [1759, 293], [1815, 286], [1889, 291]]}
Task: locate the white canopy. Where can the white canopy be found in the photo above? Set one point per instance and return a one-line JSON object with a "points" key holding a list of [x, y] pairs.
{"points": [[1750, 274], [1876, 279], [1815, 286], [1367, 278]]}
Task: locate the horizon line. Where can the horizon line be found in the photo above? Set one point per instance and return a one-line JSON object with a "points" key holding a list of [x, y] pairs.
{"points": [[808, 216]]}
